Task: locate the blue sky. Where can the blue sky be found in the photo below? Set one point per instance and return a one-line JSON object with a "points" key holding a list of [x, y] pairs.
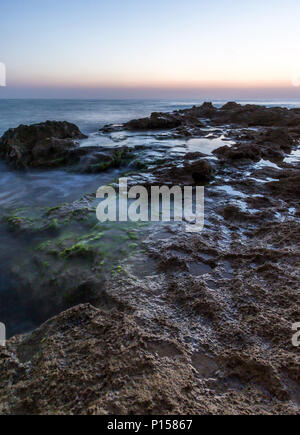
{"points": [[131, 48]]}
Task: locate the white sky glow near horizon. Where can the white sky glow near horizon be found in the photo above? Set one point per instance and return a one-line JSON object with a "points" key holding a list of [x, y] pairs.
{"points": [[128, 44]]}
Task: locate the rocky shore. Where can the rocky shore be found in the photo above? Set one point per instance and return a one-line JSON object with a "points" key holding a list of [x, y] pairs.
{"points": [[147, 318]]}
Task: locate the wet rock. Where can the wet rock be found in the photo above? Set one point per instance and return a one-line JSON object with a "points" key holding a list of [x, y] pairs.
{"points": [[250, 115], [254, 116], [231, 105], [194, 155], [182, 132], [267, 172], [39, 145], [270, 144], [239, 152], [207, 110], [99, 159], [189, 173], [275, 143], [287, 187], [188, 122], [277, 136], [201, 170], [84, 358], [198, 298], [157, 121], [111, 128], [233, 213]]}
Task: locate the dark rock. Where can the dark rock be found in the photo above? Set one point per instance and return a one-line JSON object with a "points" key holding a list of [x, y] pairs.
{"points": [[252, 115], [207, 110], [99, 159], [182, 132], [39, 145], [239, 152], [278, 136], [192, 172], [286, 187], [194, 155], [157, 121], [188, 121], [111, 128], [201, 170], [231, 105], [270, 144], [257, 116]]}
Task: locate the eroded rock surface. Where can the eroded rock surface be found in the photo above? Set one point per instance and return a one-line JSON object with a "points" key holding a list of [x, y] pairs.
{"points": [[184, 323], [39, 145]]}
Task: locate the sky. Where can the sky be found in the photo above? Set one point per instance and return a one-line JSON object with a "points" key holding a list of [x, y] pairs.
{"points": [[150, 49]]}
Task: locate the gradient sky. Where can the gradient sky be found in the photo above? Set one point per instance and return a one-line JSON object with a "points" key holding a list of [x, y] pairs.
{"points": [[154, 48]]}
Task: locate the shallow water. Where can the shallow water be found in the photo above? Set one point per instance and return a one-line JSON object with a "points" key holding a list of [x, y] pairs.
{"points": [[294, 157], [46, 188], [206, 145]]}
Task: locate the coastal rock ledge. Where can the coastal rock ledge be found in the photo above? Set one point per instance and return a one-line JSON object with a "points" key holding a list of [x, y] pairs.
{"points": [[39, 145]]}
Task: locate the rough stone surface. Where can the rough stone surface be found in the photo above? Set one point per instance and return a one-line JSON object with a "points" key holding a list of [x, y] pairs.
{"points": [[39, 145]]}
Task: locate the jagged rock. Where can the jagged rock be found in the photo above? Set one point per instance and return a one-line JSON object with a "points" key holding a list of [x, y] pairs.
{"points": [[187, 122], [193, 155], [191, 172], [287, 187], [111, 128], [39, 145], [157, 121], [81, 360], [201, 170], [271, 144], [239, 152], [231, 105], [278, 136]]}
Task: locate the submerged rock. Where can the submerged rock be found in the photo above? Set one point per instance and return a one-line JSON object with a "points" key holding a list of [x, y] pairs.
{"points": [[39, 145], [99, 159]]}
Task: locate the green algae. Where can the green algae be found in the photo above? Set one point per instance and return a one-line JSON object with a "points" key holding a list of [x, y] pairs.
{"points": [[61, 249], [132, 235]]}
